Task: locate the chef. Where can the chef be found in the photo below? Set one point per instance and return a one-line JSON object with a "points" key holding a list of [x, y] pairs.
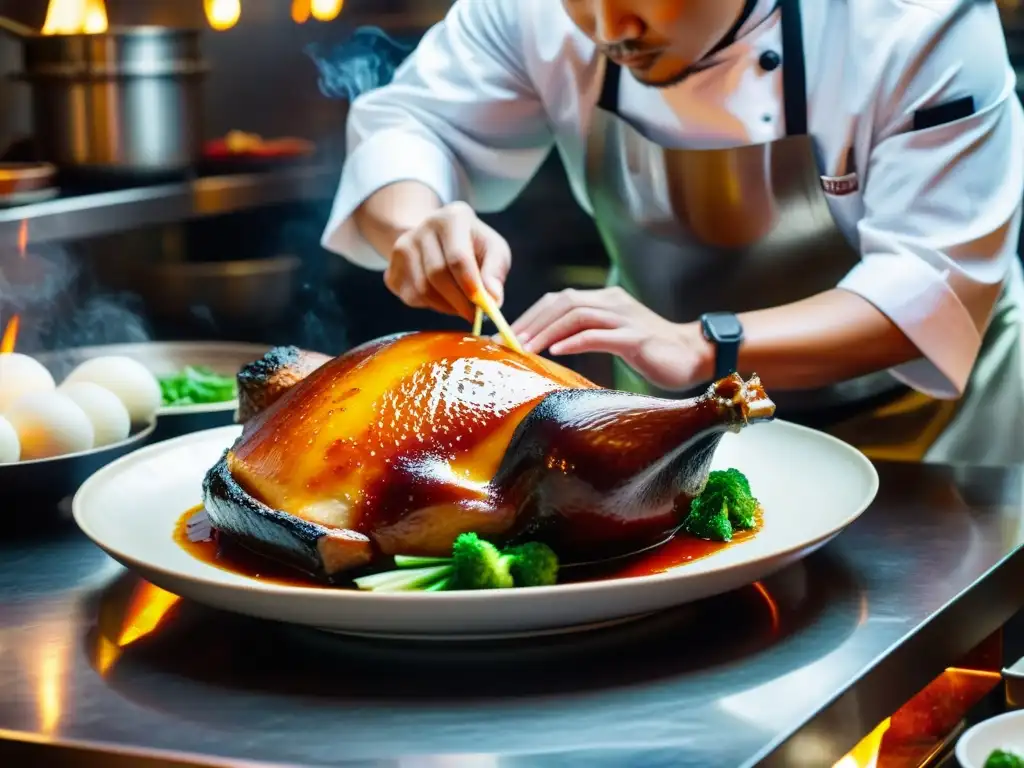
{"points": [[824, 192]]}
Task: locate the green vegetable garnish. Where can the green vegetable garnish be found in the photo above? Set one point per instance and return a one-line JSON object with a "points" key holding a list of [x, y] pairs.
{"points": [[1003, 759], [725, 506], [197, 385], [474, 564]]}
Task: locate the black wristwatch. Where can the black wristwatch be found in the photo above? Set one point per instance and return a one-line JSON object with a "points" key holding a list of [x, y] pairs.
{"points": [[724, 330]]}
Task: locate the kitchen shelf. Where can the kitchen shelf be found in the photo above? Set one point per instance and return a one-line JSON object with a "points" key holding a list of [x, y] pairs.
{"points": [[90, 215]]}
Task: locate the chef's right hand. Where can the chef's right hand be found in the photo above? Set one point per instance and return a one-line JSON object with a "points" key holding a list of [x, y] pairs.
{"points": [[442, 262]]}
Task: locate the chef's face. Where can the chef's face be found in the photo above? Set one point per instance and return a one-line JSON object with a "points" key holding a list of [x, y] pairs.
{"points": [[658, 40]]}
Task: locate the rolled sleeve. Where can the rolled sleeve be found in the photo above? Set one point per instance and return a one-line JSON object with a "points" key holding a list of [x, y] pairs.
{"points": [[921, 303], [460, 116], [943, 204], [385, 158]]}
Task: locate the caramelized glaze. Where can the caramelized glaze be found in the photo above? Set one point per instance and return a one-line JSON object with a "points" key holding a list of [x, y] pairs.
{"points": [[679, 551], [402, 444], [370, 437]]}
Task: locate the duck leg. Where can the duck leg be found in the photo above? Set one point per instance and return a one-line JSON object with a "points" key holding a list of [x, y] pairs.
{"points": [[599, 473]]}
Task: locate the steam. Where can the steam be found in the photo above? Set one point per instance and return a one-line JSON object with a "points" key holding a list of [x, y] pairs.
{"points": [[62, 306], [367, 60], [106, 319]]}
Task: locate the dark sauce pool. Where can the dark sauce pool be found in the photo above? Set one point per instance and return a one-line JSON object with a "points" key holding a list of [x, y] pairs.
{"points": [[223, 553]]}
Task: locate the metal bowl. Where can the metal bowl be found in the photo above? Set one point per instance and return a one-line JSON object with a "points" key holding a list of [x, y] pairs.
{"points": [[38, 493], [164, 358]]}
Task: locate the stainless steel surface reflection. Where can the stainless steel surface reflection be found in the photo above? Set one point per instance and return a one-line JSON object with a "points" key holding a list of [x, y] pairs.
{"points": [[791, 671]]}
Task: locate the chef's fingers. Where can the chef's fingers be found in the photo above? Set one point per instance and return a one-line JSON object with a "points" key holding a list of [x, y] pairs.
{"points": [[550, 308], [495, 259], [529, 319], [621, 342], [406, 278], [455, 233], [573, 322], [440, 278]]}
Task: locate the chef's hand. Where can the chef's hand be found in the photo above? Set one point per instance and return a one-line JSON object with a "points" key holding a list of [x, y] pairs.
{"points": [[443, 261], [669, 355]]}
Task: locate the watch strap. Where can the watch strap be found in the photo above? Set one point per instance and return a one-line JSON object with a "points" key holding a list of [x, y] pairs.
{"points": [[723, 329], [727, 358]]}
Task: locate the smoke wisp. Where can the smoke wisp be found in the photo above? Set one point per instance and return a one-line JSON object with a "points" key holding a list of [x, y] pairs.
{"points": [[367, 60], [61, 304]]}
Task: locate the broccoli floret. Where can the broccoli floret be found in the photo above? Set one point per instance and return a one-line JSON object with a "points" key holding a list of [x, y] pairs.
{"points": [[725, 506], [1002, 759], [478, 564], [709, 519], [474, 564], [533, 565], [732, 478]]}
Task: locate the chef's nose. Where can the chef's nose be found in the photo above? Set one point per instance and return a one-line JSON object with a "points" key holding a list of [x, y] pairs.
{"points": [[616, 21]]}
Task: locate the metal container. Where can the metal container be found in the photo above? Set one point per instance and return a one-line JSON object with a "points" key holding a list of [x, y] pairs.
{"points": [[164, 358], [38, 493], [246, 293], [126, 100]]}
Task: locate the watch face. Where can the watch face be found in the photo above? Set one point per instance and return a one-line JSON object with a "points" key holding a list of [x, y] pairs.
{"points": [[724, 327]]}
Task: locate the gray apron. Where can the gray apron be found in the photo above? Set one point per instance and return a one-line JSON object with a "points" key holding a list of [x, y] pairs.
{"points": [[748, 228]]}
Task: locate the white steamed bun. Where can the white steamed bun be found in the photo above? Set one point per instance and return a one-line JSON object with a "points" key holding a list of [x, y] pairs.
{"points": [[10, 447], [130, 380], [19, 375], [49, 424], [110, 420]]}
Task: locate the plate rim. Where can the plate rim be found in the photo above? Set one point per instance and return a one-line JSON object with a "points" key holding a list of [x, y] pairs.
{"points": [[506, 595], [963, 742]]}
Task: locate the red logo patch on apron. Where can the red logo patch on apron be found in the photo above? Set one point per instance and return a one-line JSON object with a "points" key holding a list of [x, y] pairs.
{"points": [[840, 185]]}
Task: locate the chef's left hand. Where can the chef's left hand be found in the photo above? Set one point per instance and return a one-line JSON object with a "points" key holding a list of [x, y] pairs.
{"points": [[669, 355]]}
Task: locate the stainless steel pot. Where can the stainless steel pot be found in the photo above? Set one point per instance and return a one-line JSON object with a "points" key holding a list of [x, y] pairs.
{"points": [[126, 100], [247, 293]]}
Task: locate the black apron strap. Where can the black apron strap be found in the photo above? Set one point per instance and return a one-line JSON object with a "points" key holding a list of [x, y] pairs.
{"points": [[609, 100], [794, 69]]}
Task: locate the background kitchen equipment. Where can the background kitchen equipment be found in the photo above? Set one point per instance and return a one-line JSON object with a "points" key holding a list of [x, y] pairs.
{"points": [[23, 183], [251, 293], [128, 100]]}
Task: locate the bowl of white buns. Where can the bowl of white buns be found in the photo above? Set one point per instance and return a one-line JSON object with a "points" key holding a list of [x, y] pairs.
{"points": [[55, 433]]}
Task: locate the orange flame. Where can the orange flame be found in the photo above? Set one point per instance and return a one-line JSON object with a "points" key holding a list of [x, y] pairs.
{"points": [[72, 17], [773, 607], [148, 608], [10, 337], [145, 613], [23, 238]]}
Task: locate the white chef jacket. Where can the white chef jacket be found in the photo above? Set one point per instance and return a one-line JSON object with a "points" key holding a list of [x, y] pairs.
{"points": [[475, 110]]}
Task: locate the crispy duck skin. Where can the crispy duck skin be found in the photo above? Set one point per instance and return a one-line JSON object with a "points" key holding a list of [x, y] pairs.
{"points": [[263, 381], [402, 444]]}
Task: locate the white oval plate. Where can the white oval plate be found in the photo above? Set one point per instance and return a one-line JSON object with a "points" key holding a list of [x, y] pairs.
{"points": [[1002, 732], [811, 486]]}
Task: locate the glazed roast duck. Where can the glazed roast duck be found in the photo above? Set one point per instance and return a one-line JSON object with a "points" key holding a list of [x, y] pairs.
{"points": [[403, 443]]}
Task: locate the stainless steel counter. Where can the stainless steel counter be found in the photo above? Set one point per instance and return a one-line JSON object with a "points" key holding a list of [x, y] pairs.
{"points": [[790, 672]]}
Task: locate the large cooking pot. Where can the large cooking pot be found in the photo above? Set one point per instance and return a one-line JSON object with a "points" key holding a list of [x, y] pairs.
{"points": [[126, 100]]}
